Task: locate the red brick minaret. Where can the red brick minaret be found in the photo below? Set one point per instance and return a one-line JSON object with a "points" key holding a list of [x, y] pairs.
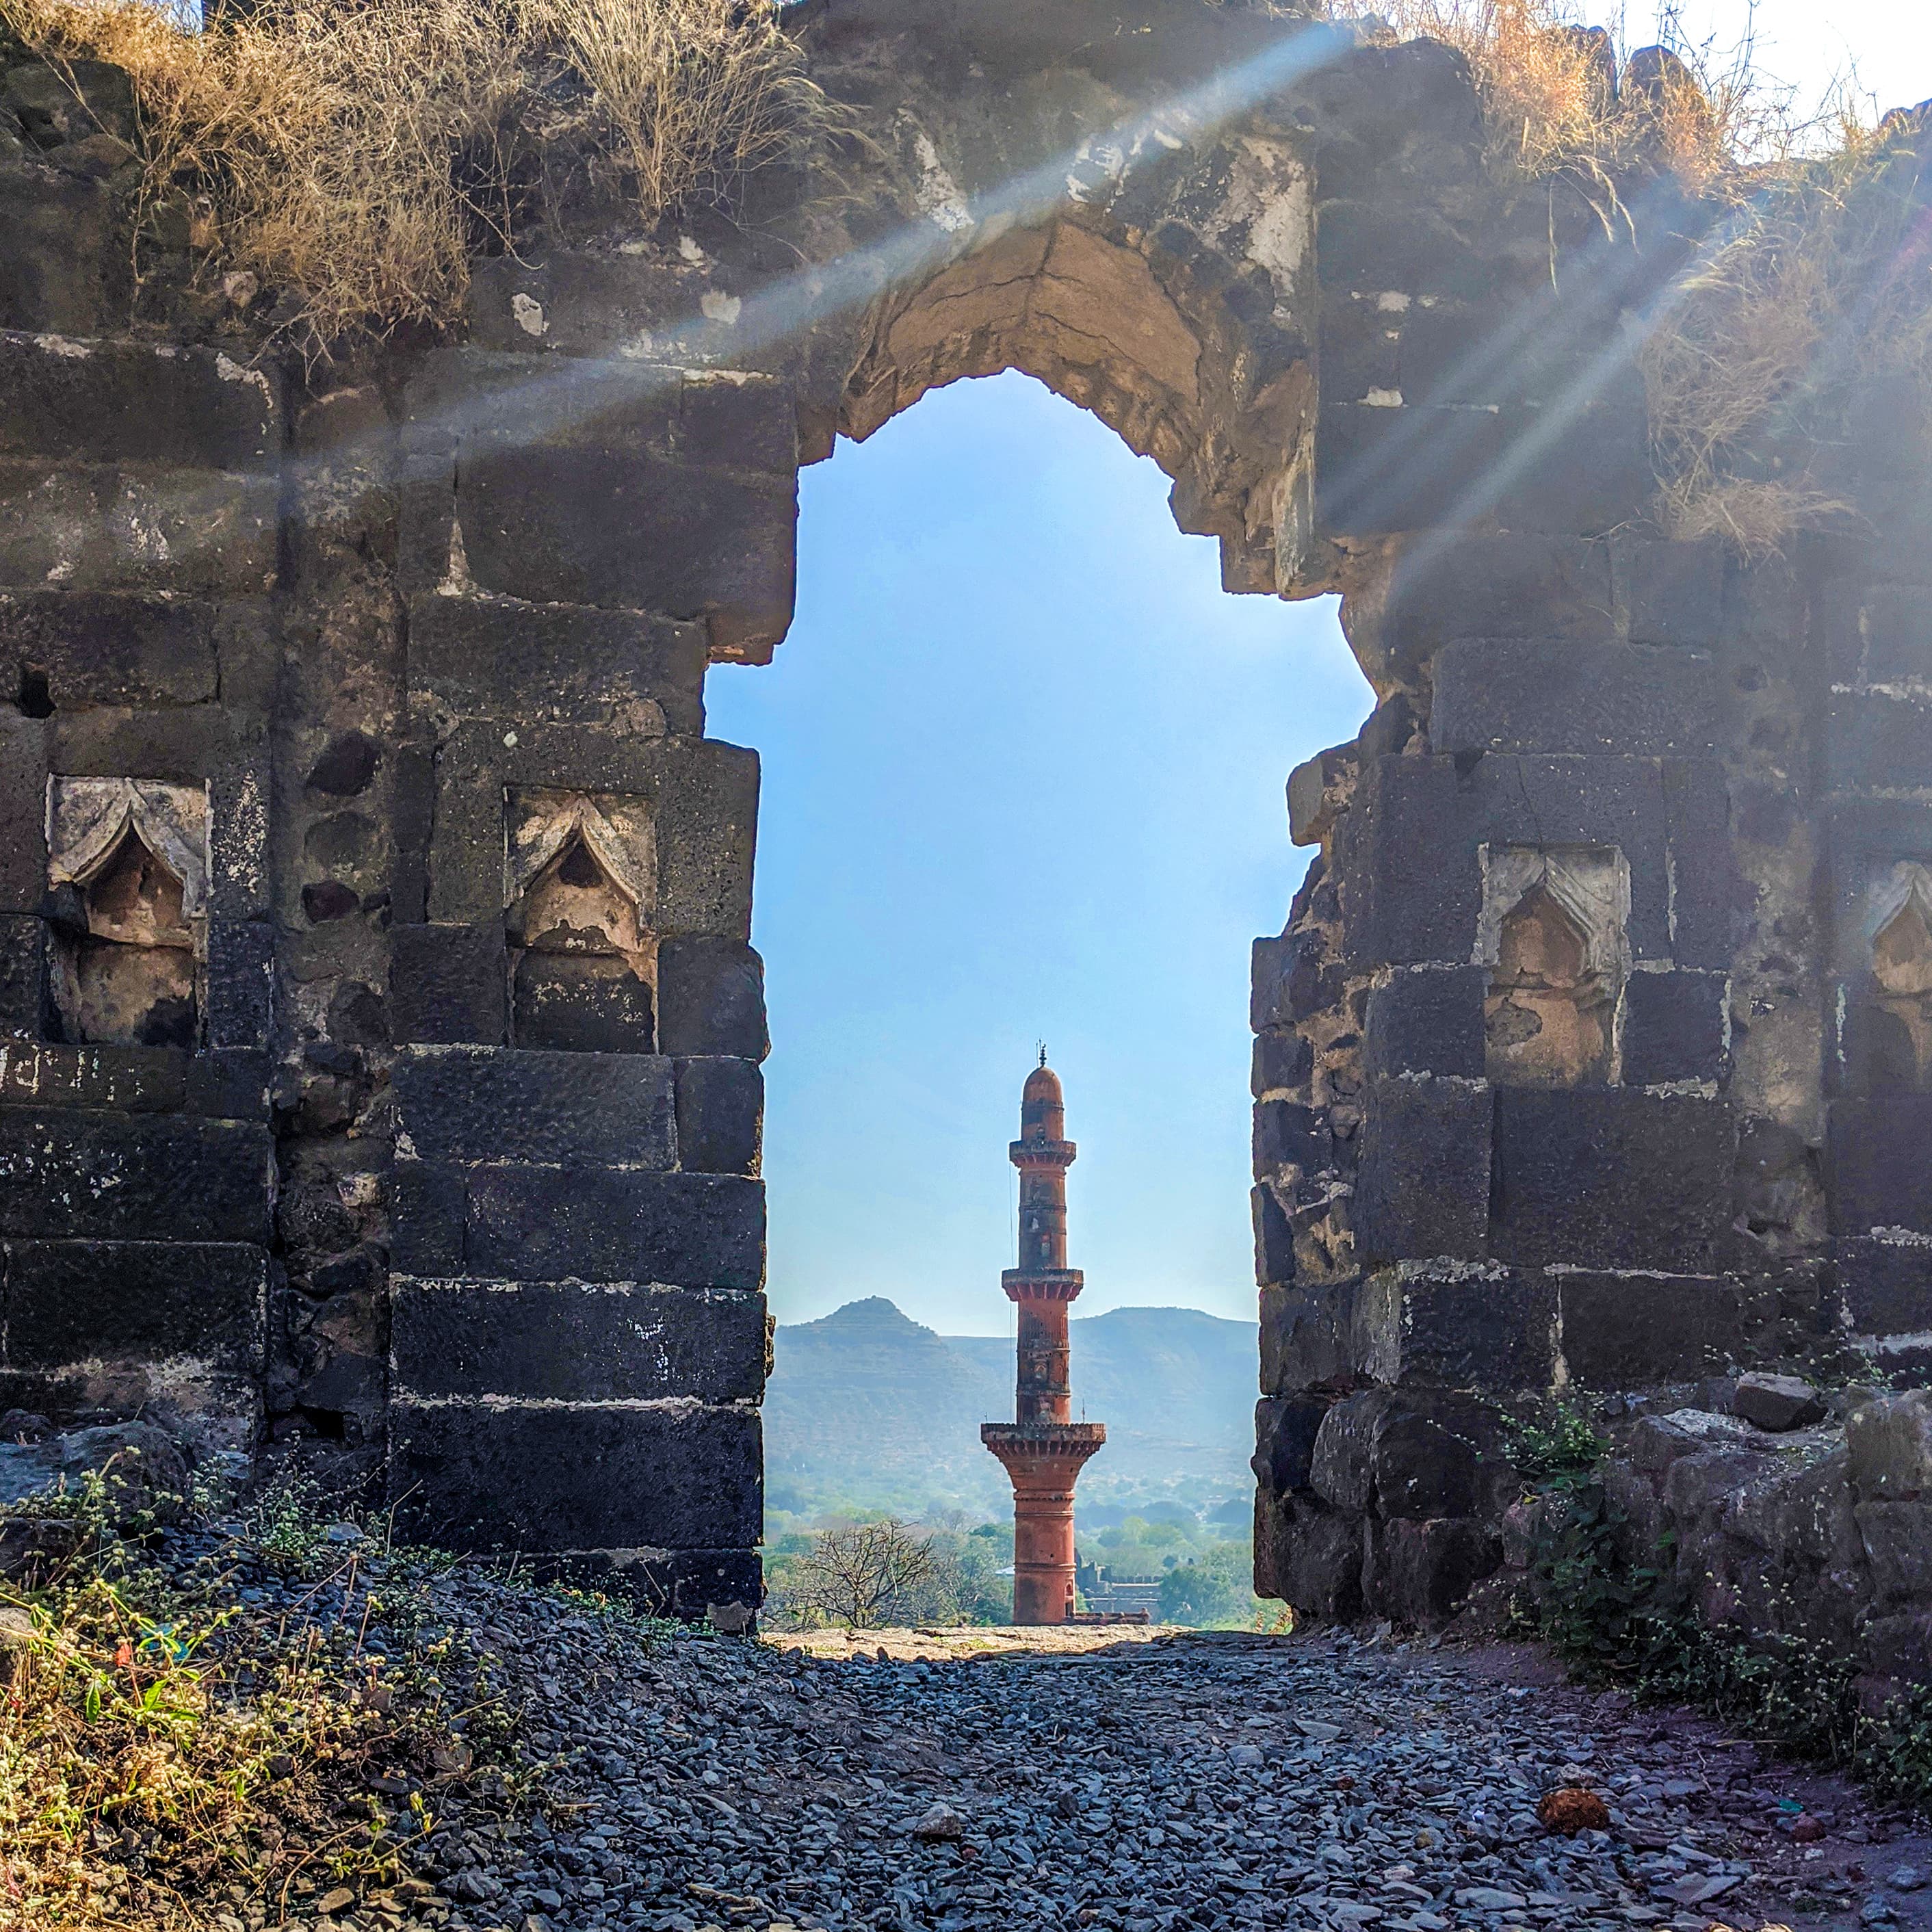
{"points": [[1042, 1448]]}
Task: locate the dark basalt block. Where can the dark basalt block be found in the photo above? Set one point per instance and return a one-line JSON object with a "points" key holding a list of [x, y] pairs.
{"points": [[465, 1104], [1886, 1283], [575, 1341], [1274, 1238], [1287, 1134], [721, 1110], [1673, 1027], [26, 1013], [1879, 1173], [1309, 1555], [580, 1006], [99, 648], [1417, 1572], [23, 812], [559, 1478], [1428, 1022], [696, 1230], [711, 998], [70, 1302], [1874, 740], [493, 658], [130, 402], [1520, 694], [241, 982], [73, 1175], [611, 528], [1422, 1186], [1307, 1337], [1623, 1330], [1477, 1328], [1286, 1428], [448, 984], [1608, 1177]]}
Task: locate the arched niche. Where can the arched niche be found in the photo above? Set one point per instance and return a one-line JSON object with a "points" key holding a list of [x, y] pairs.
{"points": [[1554, 935], [580, 903], [1892, 1045], [127, 870]]}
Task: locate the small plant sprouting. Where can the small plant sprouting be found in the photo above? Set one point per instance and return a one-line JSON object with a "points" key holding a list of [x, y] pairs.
{"points": [[1558, 1452], [287, 1521], [1618, 1621]]}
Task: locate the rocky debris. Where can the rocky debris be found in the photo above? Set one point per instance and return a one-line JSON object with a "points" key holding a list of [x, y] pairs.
{"points": [[144, 1473], [1820, 1530], [938, 1821], [1187, 1781], [1776, 1403], [17, 1639]]}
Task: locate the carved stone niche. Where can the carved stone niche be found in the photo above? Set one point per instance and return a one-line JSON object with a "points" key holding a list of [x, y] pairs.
{"points": [[127, 870], [1554, 935], [580, 891], [1892, 1042]]}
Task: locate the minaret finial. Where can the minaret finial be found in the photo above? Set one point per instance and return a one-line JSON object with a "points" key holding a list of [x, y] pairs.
{"points": [[1042, 1053]]}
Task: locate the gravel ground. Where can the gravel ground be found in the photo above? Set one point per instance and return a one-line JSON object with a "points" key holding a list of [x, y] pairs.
{"points": [[1140, 1782]]}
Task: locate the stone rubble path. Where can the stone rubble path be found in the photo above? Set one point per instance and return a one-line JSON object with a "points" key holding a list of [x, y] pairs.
{"points": [[1131, 1780]]}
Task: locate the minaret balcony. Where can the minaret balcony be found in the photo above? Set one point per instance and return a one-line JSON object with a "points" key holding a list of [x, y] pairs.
{"points": [[1043, 1284], [1024, 1441], [1042, 1153]]}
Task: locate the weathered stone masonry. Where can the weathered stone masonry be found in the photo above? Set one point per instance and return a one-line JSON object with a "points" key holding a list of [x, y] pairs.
{"points": [[418, 1127]]}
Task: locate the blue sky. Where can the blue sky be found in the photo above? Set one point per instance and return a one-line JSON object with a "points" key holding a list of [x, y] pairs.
{"points": [[1024, 765]]}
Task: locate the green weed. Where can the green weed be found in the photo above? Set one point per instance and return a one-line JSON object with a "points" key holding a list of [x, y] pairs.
{"points": [[1631, 1625]]}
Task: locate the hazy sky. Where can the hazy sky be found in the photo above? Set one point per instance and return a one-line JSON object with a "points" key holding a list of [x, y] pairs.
{"points": [[1804, 44], [1023, 777]]}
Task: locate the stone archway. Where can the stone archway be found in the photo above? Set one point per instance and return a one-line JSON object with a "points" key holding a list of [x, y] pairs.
{"points": [[1138, 342], [372, 618]]}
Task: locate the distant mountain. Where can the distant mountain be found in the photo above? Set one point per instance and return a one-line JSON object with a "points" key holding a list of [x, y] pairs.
{"points": [[867, 1407]]}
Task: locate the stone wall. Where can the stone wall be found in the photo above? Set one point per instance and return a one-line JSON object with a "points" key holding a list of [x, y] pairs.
{"points": [[393, 1099], [1766, 1511]]}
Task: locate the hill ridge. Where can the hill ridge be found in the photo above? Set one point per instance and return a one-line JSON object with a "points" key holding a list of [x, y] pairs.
{"points": [[868, 1408]]}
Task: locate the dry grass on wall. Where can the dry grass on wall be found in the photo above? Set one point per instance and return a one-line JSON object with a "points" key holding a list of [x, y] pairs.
{"points": [[1820, 284], [1815, 279], [1550, 101], [359, 156]]}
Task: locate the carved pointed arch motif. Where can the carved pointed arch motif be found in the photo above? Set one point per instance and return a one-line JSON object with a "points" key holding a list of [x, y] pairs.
{"points": [[625, 853], [88, 820], [131, 856], [1554, 934], [1898, 928], [1169, 330], [580, 899]]}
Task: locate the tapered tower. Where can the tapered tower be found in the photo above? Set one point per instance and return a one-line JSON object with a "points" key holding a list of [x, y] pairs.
{"points": [[1043, 1449]]}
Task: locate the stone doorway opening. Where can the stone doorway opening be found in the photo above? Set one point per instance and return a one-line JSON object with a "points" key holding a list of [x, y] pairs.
{"points": [[988, 813]]}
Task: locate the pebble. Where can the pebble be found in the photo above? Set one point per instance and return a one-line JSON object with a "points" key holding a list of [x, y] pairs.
{"points": [[1194, 1784]]}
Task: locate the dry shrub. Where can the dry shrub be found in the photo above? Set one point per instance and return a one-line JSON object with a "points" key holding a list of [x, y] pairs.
{"points": [[1820, 282], [163, 1741], [1544, 97], [685, 98], [1810, 283], [1551, 102], [358, 156]]}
